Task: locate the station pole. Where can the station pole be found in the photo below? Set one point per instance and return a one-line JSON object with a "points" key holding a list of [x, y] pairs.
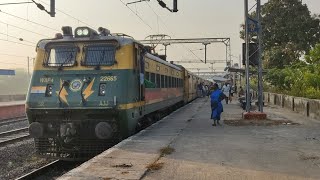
{"points": [[226, 54], [240, 74], [28, 59], [260, 84], [248, 99]]}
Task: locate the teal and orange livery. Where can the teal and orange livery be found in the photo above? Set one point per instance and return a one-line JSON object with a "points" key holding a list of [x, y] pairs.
{"points": [[90, 90]]}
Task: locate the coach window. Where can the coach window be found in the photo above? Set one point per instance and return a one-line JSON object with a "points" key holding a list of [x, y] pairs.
{"points": [[167, 81], [162, 81], [158, 81], [153, 78], [172, 82], [175, 83]]}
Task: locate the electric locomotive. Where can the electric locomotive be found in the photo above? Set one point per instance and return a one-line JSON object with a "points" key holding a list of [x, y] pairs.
{"points": [[90, 89]]}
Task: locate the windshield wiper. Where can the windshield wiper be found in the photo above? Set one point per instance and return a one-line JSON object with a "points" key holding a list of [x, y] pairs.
{"points": [[66, 61], [100, 60]]}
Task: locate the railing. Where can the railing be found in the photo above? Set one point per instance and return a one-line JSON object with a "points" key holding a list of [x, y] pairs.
{"points": [[307, 107]]}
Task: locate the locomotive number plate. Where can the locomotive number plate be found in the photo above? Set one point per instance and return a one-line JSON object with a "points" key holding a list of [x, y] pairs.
{"points": [[108, 78]]}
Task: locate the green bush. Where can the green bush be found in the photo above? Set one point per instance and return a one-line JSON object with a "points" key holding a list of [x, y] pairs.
{"points": [[312, 93]]}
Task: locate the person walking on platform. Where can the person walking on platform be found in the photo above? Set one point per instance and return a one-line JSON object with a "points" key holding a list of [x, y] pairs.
{"points": [[216, 106], [226, 91], [241, 92]]}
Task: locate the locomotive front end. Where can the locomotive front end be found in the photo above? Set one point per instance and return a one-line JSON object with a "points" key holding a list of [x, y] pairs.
{"points": [[78, 92]]}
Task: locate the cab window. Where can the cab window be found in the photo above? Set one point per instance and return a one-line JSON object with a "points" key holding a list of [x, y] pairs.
{"points": [[99, 55], [59, 56]]}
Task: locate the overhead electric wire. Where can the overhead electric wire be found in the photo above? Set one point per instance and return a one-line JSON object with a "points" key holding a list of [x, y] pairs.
{"points": [[9, 62], [137, 15], [24, 29], [13, 55], [5, 54], [20, 39], [55, 30], [17, 42], [67, 14], [28, 2], [172, 33]]}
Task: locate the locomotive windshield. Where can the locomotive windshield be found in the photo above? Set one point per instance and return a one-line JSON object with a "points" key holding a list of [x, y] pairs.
{"points": [[97, 55], [60, 56]]}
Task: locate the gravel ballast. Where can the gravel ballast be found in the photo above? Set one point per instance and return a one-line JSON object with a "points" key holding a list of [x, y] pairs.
{"points": [[13, 126], [19, 159]]}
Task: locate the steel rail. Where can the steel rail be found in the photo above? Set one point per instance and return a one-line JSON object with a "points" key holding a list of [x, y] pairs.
{"points": [[9, 140], [51, 171], [40, 171], [12, 120]]}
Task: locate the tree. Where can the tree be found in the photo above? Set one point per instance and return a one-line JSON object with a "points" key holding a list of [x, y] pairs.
{"points": [[314, 55], [289, 31]]}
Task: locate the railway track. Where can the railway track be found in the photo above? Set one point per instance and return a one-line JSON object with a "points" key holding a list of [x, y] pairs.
{"points": [[50, 171], [12, 120], [12, 136]]}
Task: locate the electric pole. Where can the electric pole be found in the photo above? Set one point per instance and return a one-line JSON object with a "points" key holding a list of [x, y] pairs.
{"points": [[248, 98], [28, 59], [260, 84]]}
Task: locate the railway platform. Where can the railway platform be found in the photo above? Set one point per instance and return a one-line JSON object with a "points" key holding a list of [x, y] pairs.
{"points": [[185, 145], [12, 109]]}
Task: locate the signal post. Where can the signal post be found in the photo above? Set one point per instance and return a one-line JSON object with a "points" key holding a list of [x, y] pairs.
{"points": [[253, 26]]}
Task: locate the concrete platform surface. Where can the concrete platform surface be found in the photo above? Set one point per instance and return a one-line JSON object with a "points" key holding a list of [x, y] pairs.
{"points": [[202, 151], [12, 103]]}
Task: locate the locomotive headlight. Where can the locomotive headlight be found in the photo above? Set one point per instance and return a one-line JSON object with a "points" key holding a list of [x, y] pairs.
{"points": [[85, 32], [49, 90], [80, 32], [102, 89]]}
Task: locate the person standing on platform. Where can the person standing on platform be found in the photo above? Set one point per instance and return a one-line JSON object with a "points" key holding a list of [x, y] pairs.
{"points": [[216, 106], [226, 91], [241, 92]]}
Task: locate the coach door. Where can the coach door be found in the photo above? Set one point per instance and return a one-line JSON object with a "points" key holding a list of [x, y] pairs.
{"points": [[140, 71]]}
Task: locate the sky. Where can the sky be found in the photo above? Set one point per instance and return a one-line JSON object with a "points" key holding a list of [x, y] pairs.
{"points": [[195, 19]]}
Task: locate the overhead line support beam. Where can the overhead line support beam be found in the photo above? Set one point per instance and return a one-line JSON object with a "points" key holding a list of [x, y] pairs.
{"points": [[186, 41]]}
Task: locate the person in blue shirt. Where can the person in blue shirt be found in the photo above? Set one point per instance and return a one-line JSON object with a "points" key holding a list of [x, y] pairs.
{"points": [[216, 106]]}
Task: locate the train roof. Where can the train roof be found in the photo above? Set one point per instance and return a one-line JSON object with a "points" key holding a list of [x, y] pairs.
{"points": [[122, 40], [153, 57]]}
